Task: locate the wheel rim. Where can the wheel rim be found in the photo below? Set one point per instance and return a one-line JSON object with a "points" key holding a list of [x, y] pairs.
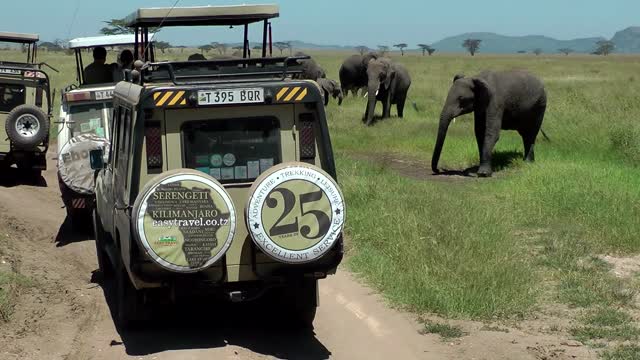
{"points": [[27, 125]]}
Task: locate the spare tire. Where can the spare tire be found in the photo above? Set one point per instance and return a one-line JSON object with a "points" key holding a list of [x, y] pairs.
{"points": [[74, 165], [184, 220], [295, 213], [27, 126]]}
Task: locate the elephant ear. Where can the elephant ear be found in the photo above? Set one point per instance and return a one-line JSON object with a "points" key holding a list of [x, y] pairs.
{"points": [[458, 77], [482, 89]]}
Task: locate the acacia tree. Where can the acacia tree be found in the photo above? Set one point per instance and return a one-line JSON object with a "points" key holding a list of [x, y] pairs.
{"points": [[604, 47], [362, 49], [282, 46], [383, 49], [537, 51], [472, 45], [119, 27], [162, 45], [565, 51], [426, 49], [401, 46]]}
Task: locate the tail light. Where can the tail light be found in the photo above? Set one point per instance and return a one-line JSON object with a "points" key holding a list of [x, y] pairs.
{"points": [[81, 96], [153, 143], [307, 136]]}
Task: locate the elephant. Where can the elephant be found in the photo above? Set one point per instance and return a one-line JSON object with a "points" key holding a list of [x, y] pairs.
{"points": [[507, 100], [310, 69], [389, 83], [330, 88], [353, 73]]}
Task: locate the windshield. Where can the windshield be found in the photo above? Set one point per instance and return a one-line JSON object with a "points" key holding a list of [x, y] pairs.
{"points": [[90, 118], [11, 96]]}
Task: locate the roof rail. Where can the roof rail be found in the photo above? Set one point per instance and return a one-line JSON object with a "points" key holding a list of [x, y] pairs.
{"points": [[208, 71]]}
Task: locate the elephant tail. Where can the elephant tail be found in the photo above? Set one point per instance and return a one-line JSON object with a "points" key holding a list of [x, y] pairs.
{"points": [[545, 135]]}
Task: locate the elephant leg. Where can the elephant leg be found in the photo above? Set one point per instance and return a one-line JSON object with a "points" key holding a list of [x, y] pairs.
{"points": [[529, 136], [491, 136], [326, 98], [386, 109], [480, 129], [400, 106]]}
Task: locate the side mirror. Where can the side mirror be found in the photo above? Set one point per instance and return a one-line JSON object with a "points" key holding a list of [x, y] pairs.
{"points": [[96, 158]]}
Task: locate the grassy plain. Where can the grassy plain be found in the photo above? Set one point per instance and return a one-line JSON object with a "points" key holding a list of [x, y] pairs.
{"points": [[499, 248]]}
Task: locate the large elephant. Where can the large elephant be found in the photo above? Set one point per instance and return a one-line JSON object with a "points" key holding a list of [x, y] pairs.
{"points": [[330, 88], [310, 69], [387, 82], [508, 100], [353, 72]]}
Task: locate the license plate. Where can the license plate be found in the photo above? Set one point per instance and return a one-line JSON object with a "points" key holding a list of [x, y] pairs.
{"points": [[231, 96], [104, 95]]}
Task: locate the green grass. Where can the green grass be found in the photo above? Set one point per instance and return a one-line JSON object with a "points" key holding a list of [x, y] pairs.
{"points": [[446, 331], [500, 247], [623, 352]]}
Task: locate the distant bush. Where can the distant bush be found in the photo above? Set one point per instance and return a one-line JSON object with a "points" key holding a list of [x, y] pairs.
{"points": [[625, 139]]}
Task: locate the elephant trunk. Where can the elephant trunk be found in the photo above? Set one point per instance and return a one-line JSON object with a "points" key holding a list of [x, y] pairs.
{"points": [[371, 104], [340, 97], [445, 120]]}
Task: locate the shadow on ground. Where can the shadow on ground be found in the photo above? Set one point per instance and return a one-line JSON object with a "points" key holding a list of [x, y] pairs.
{"points": [[209, 323], [12, 177], [70, 232], [419, 170]]}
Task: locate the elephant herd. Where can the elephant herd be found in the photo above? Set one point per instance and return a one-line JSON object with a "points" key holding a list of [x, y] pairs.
{"points": [[500, 100]]}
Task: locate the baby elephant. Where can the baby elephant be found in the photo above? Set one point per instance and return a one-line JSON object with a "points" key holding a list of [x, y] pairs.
{"points": [[508, 100], [330, 88]]}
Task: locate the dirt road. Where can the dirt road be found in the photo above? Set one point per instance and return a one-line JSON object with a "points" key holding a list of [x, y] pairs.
{"points": [[66, 315]]}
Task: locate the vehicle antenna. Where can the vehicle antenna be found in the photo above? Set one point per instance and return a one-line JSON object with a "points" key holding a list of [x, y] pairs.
{"points": [[162, 22], [73, 19]]}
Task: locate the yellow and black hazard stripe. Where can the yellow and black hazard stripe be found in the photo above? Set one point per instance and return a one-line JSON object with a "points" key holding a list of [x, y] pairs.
{"points": [[288, 94], [169, 98]]}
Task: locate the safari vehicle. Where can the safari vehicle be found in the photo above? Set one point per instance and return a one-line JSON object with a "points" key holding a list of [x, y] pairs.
{"points": [[220, 178], [85, 117], [25, 108]]}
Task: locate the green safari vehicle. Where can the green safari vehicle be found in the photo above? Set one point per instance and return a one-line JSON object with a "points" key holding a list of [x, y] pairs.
{"points": [[220, 178], [25, 109]]}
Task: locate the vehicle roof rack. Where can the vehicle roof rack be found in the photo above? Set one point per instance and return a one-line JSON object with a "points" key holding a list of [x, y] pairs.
{"points": [[233, 70], [202, 15], [106, 40], [19, 38], [18, 65]]}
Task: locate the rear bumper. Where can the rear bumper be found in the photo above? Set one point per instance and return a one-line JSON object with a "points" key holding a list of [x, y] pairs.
{"points": [[146, 274], [35, 160], [74, 201]]}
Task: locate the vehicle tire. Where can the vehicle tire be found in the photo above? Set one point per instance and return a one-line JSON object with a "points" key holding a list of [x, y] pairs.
{"points": [[27, 126], [104, 263], [128, 300]]}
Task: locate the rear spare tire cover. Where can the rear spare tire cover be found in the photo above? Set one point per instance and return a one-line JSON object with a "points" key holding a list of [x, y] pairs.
{"points": [[184, 220], [74, 164], [295, 213]]}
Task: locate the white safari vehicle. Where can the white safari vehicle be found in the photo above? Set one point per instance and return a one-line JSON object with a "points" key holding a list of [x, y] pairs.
{"points": [[84, 125]]}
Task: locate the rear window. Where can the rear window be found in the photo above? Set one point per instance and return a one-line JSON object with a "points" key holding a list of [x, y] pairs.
{"points": [[90, 118], [11, 95], [234, 150]]}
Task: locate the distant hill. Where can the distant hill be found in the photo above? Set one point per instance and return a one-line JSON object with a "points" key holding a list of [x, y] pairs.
{"points": [[628, 40], [502, 44]]}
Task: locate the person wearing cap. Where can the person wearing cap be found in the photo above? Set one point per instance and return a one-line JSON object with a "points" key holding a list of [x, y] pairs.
{"points": [[98, 72]]}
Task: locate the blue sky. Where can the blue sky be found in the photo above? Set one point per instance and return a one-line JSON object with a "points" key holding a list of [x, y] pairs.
{"points": [[346, 22]]}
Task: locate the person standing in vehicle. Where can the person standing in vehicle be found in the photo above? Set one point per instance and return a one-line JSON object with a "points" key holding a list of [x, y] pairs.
{"points": [[126, 63], [98, 72]]}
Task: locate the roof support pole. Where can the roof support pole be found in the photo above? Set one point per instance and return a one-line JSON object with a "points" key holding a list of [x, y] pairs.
{"points": [[146, 44], [136, 45], [245, 47], [264, 38]]}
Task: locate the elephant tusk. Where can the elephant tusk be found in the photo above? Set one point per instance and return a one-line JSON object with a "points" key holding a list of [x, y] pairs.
{"points": [[454, 120], [366, 95]]}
